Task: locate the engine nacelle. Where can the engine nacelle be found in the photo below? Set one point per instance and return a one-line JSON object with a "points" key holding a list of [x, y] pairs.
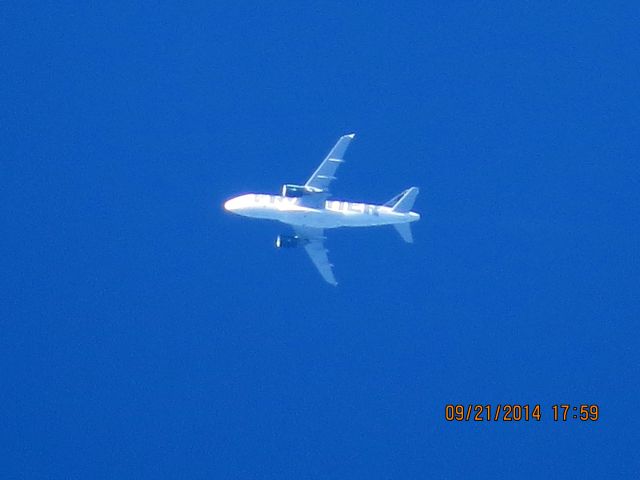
{"points": [[297, 191], [289, 241]]}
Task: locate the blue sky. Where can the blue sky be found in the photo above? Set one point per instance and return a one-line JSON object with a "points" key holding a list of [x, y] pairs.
{"points": [[148, 334]]}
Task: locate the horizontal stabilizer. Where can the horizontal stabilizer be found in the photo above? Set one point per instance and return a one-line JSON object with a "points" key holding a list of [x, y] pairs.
{"points": [[404, 229]]}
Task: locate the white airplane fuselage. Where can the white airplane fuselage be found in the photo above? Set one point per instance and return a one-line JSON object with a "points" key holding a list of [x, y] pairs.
{"points": [[336, 213]]}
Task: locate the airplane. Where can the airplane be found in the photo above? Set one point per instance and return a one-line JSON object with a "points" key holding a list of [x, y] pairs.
{"points": [[309, 211]]}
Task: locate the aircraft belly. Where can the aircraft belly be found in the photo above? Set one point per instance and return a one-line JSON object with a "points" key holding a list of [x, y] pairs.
{"points": [[361, 221], [310, 218], [332, 219]]}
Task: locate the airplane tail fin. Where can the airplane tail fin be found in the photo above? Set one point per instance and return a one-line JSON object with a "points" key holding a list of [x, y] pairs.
{"points": [[403, 202], [404, 229]]}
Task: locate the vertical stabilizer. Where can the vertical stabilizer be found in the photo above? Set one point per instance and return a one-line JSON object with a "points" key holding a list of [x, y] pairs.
{"points": [[403, 202]]}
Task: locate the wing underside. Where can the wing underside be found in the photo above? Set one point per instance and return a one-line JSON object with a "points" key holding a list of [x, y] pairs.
{"points": [[325, 173], [314, 246], [320, 181]]}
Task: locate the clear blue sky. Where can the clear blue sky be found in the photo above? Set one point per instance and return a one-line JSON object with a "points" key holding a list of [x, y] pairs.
{"points": [[147, 334]]}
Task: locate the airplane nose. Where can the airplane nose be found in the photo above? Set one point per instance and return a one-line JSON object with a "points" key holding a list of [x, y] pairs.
{"points": [[229, 205], [234, 205]]}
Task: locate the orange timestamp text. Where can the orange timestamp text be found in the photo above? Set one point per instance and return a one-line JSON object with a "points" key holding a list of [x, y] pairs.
{"points": [[519, 412]]}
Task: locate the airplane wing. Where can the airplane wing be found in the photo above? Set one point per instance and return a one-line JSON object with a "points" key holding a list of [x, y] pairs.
{"points": [[316, 250], [324, 174]]}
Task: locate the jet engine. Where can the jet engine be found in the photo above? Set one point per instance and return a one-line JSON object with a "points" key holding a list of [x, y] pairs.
{"points": [[297, 191], [289, 241]]}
